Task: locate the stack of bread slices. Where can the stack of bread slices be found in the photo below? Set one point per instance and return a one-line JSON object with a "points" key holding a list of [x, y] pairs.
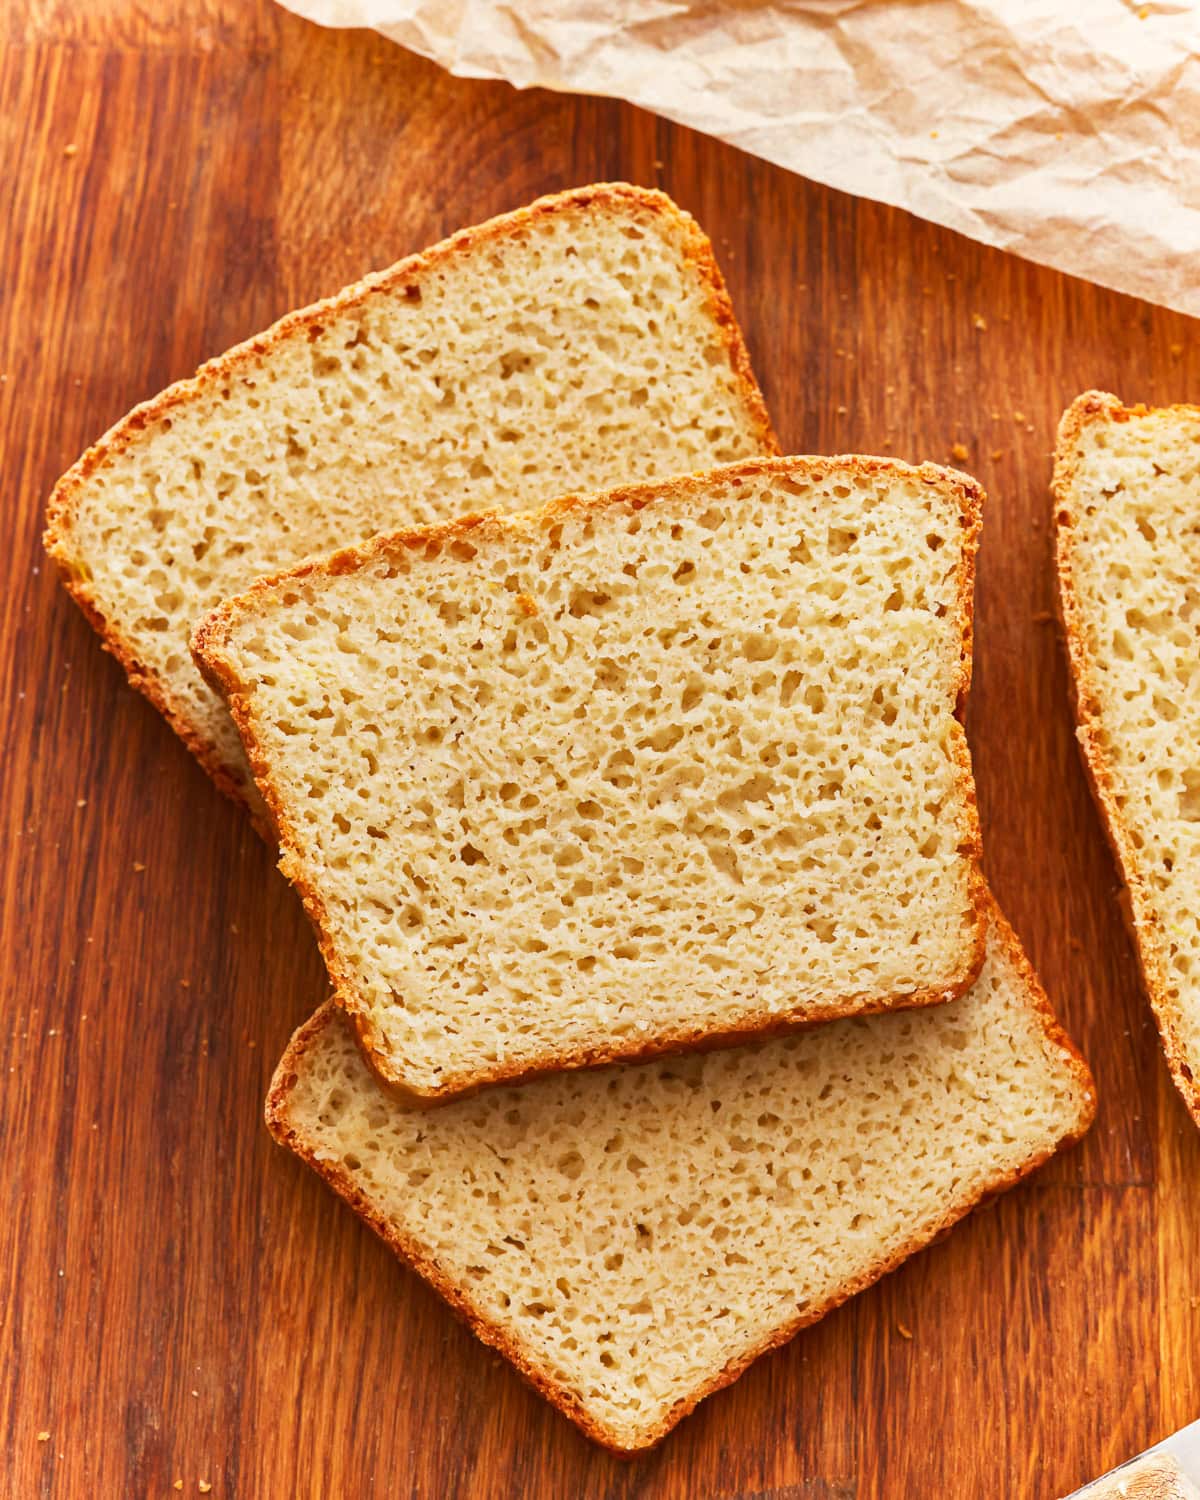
{"points": [[619, 763]]}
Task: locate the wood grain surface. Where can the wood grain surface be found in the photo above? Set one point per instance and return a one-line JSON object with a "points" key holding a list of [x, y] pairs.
{"points": [[181, 1302]]}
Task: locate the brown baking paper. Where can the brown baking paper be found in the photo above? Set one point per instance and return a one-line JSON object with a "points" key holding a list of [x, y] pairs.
{"points": [[1066, 132]]}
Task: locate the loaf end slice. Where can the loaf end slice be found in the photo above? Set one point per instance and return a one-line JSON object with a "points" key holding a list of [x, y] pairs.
{"points": [[675, 765], [583, 341], [633, 1238], [1128, 563]]}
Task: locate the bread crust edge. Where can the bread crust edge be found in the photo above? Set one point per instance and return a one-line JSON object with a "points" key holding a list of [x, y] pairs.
{"points": [[1054, 1037], [1141, 920], [220, 671]]}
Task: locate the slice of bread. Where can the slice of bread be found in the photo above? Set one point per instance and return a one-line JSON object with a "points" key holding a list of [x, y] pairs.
{"points": [[579, 343], [633, 1238], [1157, 1478], [664, 766], [1128, 554]]}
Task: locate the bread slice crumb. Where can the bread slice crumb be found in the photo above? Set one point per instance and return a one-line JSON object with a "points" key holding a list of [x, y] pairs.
{"points": [[584, 341], [715, 785], [633, 1238], [1128, 567]]}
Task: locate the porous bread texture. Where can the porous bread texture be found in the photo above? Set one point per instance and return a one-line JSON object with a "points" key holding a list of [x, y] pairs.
{"points": [[1156, 1478], [669, 765], [580, 343], [633, 1238], [1128, 553]]}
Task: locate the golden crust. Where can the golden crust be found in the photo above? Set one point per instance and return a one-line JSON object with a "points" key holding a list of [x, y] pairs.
{"points": [[1146, 929], [542, 1379], [211, 634], [64, 499]]}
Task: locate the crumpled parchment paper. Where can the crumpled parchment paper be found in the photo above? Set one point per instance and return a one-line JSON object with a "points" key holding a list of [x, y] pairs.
{"points": [[1067, 131]]}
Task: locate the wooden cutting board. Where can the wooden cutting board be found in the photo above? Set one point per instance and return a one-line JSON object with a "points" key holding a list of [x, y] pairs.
{"points": [[181, 1302]]}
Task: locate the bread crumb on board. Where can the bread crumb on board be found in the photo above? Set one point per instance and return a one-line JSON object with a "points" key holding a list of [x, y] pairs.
{"points": [[960, 452], [43, 1436], [904, 1331], [979, 321]]}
